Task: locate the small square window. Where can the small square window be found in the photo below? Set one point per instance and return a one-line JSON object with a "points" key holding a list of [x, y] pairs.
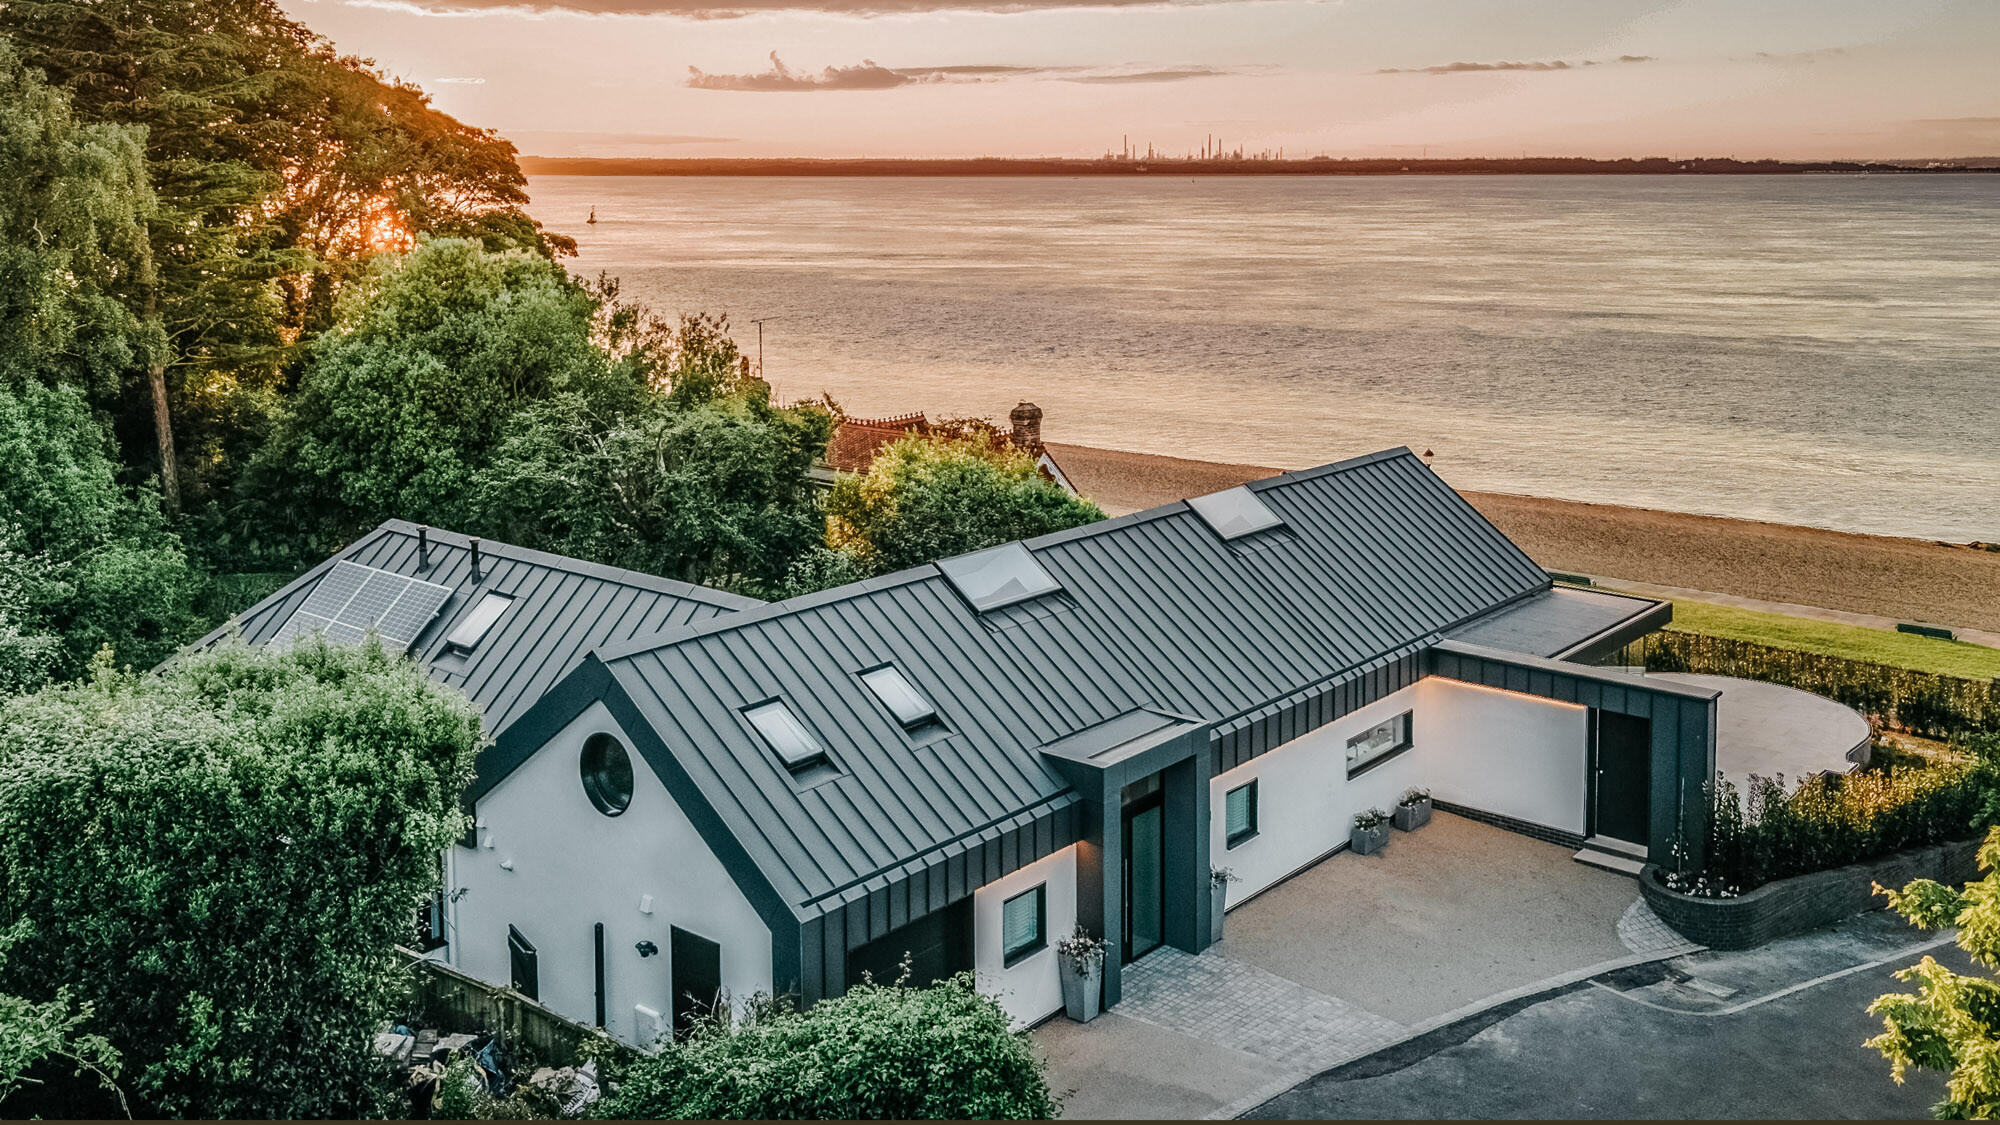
{"points": [[1235, 512], [1023, 922], [795, 745], [999, 576], [1239, 813], [1378, 744], [478, 623], [900, 697]]}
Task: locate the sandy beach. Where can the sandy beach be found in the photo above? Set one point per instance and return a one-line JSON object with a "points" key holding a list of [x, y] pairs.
{"points": [[1905, 579]]}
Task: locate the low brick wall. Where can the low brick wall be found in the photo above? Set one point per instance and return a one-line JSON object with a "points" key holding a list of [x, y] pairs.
{"points": [[1804, 902]]}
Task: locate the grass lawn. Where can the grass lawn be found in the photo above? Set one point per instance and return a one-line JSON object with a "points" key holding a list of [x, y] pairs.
{"points": [[1882, 646]]}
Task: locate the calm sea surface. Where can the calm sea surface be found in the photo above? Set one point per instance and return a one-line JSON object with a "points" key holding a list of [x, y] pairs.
{"points": [[1819, 350]]}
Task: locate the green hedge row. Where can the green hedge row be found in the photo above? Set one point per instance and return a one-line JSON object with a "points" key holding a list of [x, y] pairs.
{"points": [[1921, 703]]}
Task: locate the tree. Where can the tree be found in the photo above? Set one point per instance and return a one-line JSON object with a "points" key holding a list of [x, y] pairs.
{"points": [[220, 859], [73, 206], [91, 562], [928, 497], [434, 353], [715, 492], [879, 1051], [1951, 1024], [32, 1033]]}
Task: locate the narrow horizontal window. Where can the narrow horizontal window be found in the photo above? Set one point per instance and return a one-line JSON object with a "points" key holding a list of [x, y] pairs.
{"points": [[1023, 919], [794, 744], [1234, 513], [1239, 813], [478, 623], [1378, 744], [999, 576], [902, 699]]}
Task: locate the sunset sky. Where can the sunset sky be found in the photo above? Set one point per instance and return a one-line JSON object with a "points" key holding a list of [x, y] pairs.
{"points": [[1750, 78]]}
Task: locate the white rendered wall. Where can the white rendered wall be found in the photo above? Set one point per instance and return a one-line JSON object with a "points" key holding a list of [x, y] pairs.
{"points": [[1506, 753], [1030, 989], [1490, 750], [1306, 804], [572, 867]]}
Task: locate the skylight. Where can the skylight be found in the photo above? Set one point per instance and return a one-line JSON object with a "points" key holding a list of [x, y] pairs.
{"points": [[999, 576], [479, 622], [795, 745], [903, 701], [1235, 512]]}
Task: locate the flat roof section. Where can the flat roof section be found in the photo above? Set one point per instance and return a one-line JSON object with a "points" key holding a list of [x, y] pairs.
{"points": [[1567, 624]]}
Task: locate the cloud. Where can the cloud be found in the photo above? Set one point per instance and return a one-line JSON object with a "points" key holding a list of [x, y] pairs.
{"points": [[563, 142], [1819, 55], [871, 75], [460, 81], [1479, 67]]}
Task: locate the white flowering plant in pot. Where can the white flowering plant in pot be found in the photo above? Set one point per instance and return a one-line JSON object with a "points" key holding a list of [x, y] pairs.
{"points": [[1413, 809], [1080, 961], [1371, 831]]}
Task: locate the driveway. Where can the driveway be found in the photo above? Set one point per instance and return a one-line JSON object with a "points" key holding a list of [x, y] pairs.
{"points": [[1342, 960], [1768, 1033]]}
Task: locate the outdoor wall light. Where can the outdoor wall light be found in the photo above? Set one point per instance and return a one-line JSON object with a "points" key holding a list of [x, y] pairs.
{"points": [[646, 948]]}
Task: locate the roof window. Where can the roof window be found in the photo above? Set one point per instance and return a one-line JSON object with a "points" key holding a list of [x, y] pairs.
{"points": [[478, 623], [1235, 512], [795, 745], [999, 576], [900, 697]]}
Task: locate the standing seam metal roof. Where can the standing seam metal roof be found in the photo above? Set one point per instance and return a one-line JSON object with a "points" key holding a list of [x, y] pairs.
{"points": [[1376, 556]]}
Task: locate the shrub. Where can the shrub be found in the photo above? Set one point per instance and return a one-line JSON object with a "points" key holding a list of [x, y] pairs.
{"points": [[880, 1051], [1832, 820], [219, 861]]}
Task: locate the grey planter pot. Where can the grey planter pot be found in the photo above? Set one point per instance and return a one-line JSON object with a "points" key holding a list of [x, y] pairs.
{"points": [[1368, 841], [1083, 993], [1218, 899], [1409, 818]]}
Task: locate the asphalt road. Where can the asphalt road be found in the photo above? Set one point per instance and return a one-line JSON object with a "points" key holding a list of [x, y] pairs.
{"points": [[1759, 1035]]}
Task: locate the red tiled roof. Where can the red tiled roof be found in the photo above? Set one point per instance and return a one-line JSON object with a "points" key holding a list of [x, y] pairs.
{"points": [[856, 441]]}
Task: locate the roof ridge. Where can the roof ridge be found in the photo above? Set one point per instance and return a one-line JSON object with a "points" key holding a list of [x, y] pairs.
{"points": [[605, 571], [666, 638]]}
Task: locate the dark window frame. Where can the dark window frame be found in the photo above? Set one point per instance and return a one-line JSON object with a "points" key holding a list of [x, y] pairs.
{"points": [[1011, 957], [594, 786], [1232, 839], [924, 730], [522, 951], [1402, 747]]}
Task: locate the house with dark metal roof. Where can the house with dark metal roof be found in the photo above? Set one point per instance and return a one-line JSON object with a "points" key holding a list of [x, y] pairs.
{"points": [[951, 767]]}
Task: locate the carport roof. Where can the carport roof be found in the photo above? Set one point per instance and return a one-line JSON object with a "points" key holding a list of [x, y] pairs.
{"points": [[1155, 612]]}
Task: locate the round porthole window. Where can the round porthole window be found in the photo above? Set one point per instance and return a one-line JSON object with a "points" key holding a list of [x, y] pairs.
{"points": [[607, 774]]}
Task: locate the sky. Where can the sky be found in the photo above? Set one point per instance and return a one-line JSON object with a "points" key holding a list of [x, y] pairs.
{"points": [[1790, 79]]}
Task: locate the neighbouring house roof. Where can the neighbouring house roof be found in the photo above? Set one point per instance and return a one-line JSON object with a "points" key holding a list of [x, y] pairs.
{"points": [[856, 441], [1373, 559], [561, 609], [1567, 623]]}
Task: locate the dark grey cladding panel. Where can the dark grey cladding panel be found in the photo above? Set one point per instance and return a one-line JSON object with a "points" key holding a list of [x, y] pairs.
{"points": [[563, 608], [1376, 555]]}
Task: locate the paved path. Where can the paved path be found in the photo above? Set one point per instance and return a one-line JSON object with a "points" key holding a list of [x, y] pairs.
{"points": [[1226, 1002], [1769, 1033]]}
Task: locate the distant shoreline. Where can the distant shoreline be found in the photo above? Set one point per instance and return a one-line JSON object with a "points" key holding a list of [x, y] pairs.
{"points": [[1905, 579], [1317, 166]]}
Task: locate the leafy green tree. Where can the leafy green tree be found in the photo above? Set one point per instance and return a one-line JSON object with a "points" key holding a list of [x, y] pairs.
{"points": [[31, 1034], [220, 859], [880, 1051], [73, 207], [91, 562], [435, 352], [928, 497], [715, 492]]}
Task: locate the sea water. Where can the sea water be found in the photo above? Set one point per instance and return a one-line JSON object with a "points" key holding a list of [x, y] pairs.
{"points": [[1820, 350]]}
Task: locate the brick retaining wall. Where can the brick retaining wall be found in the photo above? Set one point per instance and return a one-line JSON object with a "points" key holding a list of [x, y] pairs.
{"points": [[1803, 902], [1512, 824]]}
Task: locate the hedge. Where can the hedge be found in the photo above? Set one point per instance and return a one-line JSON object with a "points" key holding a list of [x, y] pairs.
{"points": [[1920, 703]]}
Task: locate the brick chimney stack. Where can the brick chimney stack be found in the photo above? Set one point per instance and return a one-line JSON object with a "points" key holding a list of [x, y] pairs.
{"points": [[1027, 419]]}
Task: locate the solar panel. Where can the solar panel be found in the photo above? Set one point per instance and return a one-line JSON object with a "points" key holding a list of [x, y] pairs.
{"points": [[1234, 512], [998, 576], [352, 599]]}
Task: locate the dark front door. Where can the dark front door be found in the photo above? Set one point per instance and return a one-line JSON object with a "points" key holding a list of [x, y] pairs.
{"points": [[1624, 777], [697, 977], [935, 945], [1145, 876]]}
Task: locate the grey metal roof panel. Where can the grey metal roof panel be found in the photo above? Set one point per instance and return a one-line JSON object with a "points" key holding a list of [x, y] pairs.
{"points": [[1555, 622], [1156, 611], [563, 608]]}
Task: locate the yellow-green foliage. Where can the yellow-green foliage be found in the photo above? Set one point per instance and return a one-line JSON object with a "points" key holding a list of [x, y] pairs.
{"points": [[1854, 642], [1951, 1023]]}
